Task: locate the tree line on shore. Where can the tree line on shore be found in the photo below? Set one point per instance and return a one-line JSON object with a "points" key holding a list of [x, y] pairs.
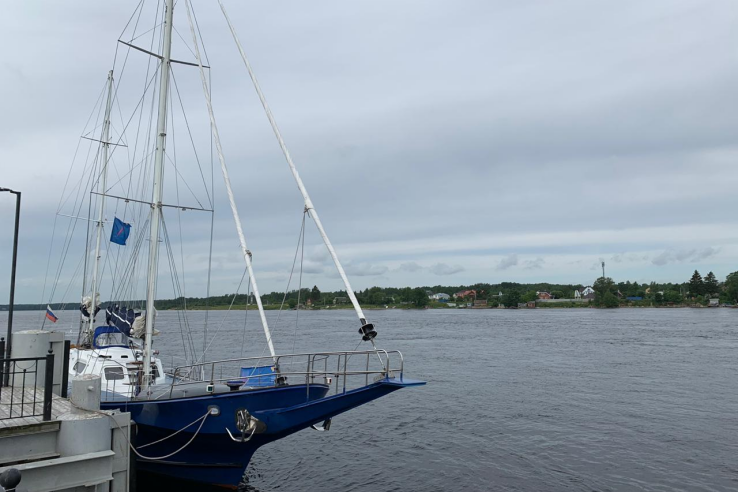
{"points": [[608, 293]]}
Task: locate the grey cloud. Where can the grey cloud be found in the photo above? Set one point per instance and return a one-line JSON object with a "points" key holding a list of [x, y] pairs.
{"points": [[705, 253], [684, 255], [365, 269], [507, 262], [444, 269], [312, 267], [536, 264], [662, 258], [409, 267]]}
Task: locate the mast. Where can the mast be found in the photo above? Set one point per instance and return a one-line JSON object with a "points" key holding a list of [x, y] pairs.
{"points": [[161, 140], [231, 199], [101, 189], [367, 329]]}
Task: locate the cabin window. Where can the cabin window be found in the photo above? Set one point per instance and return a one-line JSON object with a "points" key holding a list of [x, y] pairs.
{"points": [[114, 373], [79, 367]]}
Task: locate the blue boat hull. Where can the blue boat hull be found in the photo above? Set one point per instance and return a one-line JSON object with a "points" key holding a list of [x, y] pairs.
{"points": [[213, 457]]}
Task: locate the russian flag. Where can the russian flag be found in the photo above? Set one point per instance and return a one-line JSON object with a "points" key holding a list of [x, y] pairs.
{"points": [[50, 314]]}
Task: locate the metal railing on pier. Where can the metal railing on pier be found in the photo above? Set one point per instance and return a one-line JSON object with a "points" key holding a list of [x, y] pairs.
{"points": [[26, 386]]}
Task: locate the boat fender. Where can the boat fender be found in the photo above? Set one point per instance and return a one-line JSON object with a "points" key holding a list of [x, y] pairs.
{"points": [[368, 332]]}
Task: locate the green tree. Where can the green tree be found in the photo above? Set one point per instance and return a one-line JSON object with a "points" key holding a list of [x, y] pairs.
{"points": [[378, 298], [292, 303], [406, 294], [529, 296], [511, 299], [315, 294], [731, 287], [602, 287], [672, 296], [610, 301], [696, 284], [558, 294], [711, 284], [420, 298]]}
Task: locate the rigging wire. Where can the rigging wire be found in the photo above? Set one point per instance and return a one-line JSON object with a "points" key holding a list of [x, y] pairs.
{"points": [[192, 140], [127, 289], [179, 225], [140, 35], [217, 330], [59, 206], [141, 165], [277, 326], [140, 10], [176, 286], [212, 190], [226, 178], [299, 285], [79, 202], [246, 317]]}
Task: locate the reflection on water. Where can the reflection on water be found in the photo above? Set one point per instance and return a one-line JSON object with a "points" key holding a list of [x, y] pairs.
{"points": [[628, 399]]}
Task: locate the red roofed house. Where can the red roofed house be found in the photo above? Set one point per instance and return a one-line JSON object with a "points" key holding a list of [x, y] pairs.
{"points": [[465, 293]]}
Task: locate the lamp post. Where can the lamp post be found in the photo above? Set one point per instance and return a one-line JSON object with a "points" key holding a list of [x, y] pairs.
{"points": [[9, 342]]}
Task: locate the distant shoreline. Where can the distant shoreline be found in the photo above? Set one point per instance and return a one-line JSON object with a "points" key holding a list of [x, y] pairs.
{"points": [[547, 306]]}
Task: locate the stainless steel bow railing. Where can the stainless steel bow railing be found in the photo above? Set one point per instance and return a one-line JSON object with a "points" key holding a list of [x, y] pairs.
{"points": [[342, 371]]}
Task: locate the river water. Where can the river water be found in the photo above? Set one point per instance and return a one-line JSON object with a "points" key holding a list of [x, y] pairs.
{"points": [[528, 400]]}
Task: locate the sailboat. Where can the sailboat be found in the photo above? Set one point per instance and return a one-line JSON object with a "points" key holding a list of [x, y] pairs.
{"points": [[204, 419]]}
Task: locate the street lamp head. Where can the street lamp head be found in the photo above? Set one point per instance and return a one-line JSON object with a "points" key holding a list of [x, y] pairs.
{"points": [[10, 191]]}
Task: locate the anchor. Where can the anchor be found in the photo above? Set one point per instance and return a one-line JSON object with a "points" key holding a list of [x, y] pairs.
{"points": [[245, 422]]}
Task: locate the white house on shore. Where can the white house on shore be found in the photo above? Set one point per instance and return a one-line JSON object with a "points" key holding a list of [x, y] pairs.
{"points": [[439, 297], [588, 293]]}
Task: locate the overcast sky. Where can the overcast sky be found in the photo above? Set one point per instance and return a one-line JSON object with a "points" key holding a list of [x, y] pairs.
{"points": [[442, 142]]}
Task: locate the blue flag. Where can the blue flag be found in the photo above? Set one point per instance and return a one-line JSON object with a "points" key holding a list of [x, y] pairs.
{"points": [[120, 232]]}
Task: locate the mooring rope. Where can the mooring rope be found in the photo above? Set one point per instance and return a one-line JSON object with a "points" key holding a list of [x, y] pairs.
{"points": [[130, 445]]}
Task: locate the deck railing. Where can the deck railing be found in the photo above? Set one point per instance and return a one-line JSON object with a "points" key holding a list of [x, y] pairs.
{"points": [[21, 382], [341, 371]]}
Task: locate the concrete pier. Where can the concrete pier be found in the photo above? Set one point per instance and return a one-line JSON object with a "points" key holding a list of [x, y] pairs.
{"points": [[79, 448]]}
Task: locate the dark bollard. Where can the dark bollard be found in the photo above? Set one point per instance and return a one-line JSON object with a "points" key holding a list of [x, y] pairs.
{"points": [[9, 479], [48, 385]]}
